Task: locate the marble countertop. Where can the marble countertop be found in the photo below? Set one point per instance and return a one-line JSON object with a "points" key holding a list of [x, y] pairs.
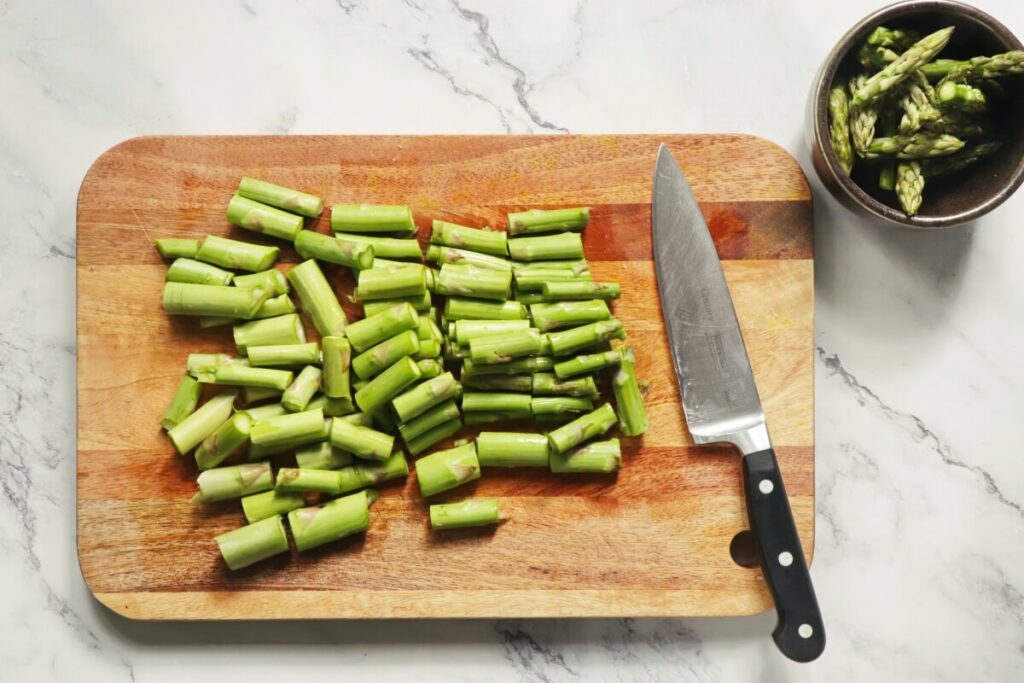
{"points": [[919, 564]]}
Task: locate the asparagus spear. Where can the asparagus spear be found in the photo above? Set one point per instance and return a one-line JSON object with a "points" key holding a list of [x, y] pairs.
{"points": [[445, 470], [421, 303], [960, 96], [301, 390], [282, 330], [425, 396], [587, 363], [862, 118], [172, 247], [547, 384], [515, 367], [249, 544], [628, 397], [979, 67], [504, 347], [375, 360], [467, 513], [599, 456], [294, 429], [470, 309], [362, 442], [441, 255], [581, 429], [186, 398], [318, 299], [313, 245], [898, 39], [556, 220], [917, 146], [918, 54], [270, 504], [418, 444], [284, 354], [909, 186], [552, 316], [190, 432], [228, 438], [385, 247], [320, 524], [182, 298], [281, 197], [222, 483], [373, 218], [916, 101], [299, 435], [839, 127], [955, 123], [479, 283], [512, 449], [236, 255], [271, 279], [940, 166], [473, 239], [577, 338], [321, 456], [371, 331], [379, 283], [337, 356], [251, 215], [566, 245], [464, 330], [558, 406], [481, 401], [429, 419], [197, 272], [365, 474], [584, 290], [388, 384], [245, 376]]}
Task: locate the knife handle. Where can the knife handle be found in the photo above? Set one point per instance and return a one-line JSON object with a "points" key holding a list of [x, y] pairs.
{"points": [[799, 633]]}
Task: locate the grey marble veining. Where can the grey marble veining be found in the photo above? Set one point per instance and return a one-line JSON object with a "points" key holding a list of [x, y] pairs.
{"points": [[920, 515]]}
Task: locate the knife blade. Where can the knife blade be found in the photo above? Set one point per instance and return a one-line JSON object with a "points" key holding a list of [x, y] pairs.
{"points": [[720, 398]]}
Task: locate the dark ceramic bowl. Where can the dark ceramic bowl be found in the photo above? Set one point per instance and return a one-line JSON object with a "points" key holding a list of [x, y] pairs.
{"points": [[948, 201]]}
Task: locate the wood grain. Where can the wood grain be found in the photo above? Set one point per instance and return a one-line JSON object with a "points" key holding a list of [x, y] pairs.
{"points": [[652, 541]]}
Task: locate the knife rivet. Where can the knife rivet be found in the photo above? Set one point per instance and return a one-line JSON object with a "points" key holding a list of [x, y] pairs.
{"points": [[766, 486], [785, 558], [805, 631]]}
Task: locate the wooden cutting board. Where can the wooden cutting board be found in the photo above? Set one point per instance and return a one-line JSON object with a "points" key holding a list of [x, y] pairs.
{"points": [[652, 542]]}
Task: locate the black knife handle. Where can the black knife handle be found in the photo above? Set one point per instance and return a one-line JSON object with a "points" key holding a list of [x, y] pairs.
{"points": [[799, 633]]}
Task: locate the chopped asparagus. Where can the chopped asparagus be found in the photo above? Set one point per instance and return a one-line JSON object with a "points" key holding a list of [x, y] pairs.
{"points": [[467, 513]]}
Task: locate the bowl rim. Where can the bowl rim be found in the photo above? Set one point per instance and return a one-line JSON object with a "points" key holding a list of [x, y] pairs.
{"points": [[821, 137]]}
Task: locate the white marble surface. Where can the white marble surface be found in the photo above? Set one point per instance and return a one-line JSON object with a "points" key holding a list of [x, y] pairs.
{"points": [[920, 480]]}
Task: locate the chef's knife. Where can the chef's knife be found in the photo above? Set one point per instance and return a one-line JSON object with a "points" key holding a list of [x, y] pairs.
{"points": [[720, 398]]}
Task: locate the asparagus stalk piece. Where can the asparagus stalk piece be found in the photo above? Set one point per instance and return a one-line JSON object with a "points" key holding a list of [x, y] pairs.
{"points": [[391, 283], [281, 197], [480, 401], [502, 348], [421, 303], [337, 357], [941, 166], [301, 390], [428, 329], [478, 283], [368, 332], [294, 480], [445, 470], [182, 298], [375, 360], [442, 255], [580, 290], [197, 272], [236, 255], [366, 474], [321, 456], [362, 442], [555, 220], [979, 67], [430, 367], [186, 398], [512, 449], [314, 245], [191, 431], [284, 354], [282, 330], [628, 397], [599, 456], [862, 118], [552, 316], [587, 363], [468, 513], [429, 349], [918, 54], [548, 384], [172, 247], [479, 418], [245, 213], [373, 218], [577, 265], [318, 299], [917, 99], [485, 241], [265, 412], [515, 367], [839, 125], [245, 376], [334, 407], [429, 419], [388, 384], [577, 338], [557, 406], [425, 396], [464, 330], [566, 245], [418, 444], [222, 483], [271, 308], [533, 282], [248, 545], [270, 503], [960, 96], [314, 526], [265, 450], [470, 309], [293, 428], [917, 146], [228, 438], [523, 383], [271, 279], [581, 429], [385, 247], [909, 186], [252, 395]]}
